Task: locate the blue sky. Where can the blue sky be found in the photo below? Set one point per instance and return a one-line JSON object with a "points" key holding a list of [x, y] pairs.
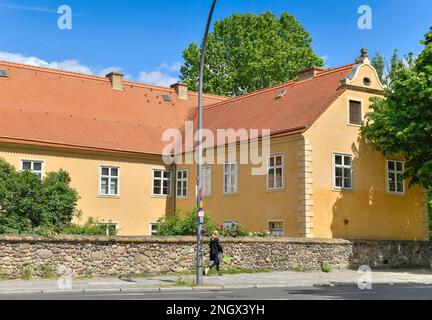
{"points": [[145, 39]]}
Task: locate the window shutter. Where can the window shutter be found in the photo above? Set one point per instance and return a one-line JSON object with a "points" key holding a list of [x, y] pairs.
{"points": [[355, 116]]}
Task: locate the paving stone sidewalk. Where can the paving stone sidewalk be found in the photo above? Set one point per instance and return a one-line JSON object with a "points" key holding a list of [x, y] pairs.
{"points": [[214, 282]]}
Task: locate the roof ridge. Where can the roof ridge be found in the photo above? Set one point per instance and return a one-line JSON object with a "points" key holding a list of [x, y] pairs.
{"points": [[98, 78], [290, 82]]}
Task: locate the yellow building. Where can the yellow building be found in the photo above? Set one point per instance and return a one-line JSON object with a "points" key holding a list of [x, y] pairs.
{"points": [[322, 180]]}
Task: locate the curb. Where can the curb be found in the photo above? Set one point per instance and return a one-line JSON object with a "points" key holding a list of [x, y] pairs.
{"points": [[201, 288]]}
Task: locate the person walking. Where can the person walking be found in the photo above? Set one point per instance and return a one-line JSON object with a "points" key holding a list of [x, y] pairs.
{"points": [[215, 250]]}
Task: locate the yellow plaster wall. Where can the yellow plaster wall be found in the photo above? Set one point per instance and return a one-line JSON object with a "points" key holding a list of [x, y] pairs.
{"points": [[133, 210]]}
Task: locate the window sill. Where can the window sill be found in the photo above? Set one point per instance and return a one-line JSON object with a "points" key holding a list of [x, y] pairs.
{"points": [[355, 125], [342, 190], [276, 190], [231, 194], [103, 196], [396, 194], [156, 196]]}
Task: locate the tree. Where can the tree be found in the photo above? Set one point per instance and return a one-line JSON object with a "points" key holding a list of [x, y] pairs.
{"points": [[248, 52], [31, 205], [401, 123], [378, 62]]}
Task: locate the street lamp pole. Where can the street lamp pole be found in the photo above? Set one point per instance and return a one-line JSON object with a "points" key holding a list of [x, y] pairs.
{"points": [[199, 260]]}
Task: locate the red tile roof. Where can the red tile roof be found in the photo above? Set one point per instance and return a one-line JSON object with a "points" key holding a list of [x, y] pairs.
{"points": [[42, 106], [299, 107], [51, 107]]}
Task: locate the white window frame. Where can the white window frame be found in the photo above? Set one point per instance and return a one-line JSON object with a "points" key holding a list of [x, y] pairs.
{"points": [[395, 172], [151, 231], [183, 181], [32, 162], [107, 225], [281, 231], [275, 167], [361, 111], [206, 192], [109, 176], [225, 173], [343, 166], [162, 179]]}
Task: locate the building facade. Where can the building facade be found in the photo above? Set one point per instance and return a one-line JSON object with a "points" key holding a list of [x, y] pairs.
{"points": [[321, 179]]}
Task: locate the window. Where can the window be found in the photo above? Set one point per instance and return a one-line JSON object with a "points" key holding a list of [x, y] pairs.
{"points": [[230, 225], [276, 229], [275, 172], [342, 171], [395, 181], [355, 113], [230, 178], [153, 229], [182, 183], [110, 228], [367, 81], [161, 183], [33, 166], [109, 181], [207, 180]]}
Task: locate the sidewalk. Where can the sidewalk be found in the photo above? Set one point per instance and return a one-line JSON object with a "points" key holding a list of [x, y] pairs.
{"points": [[214, 282]]}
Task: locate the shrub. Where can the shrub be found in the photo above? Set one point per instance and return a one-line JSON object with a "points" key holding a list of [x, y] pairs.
{"points": [[91, 228], [31, 205], [184, 224], [325, 268], [26, 272], [235, 230], [262, 234]]}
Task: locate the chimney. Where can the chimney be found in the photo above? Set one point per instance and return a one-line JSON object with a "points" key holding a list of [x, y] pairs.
{"points": [[309, 73], [116, 79], [181, 90]]}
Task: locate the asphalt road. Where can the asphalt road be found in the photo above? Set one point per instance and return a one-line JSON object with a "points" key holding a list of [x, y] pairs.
{"points": [[379, 292]]}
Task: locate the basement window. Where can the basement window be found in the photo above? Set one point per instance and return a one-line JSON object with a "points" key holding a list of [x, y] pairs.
{"points": [[276, 229]]}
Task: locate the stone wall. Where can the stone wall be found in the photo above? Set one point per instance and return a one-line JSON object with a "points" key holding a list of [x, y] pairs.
{"points": [[104, 256]]}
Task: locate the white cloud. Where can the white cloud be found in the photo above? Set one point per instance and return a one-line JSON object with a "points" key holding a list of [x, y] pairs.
{"points": [[162, 76], [157, 77], [26, 8], [67, 65]]}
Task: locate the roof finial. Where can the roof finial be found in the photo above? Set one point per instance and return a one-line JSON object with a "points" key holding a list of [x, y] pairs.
{"points": [[364, 53]]}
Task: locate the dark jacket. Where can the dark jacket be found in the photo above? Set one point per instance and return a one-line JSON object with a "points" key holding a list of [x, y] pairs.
{"points": [[215, 247]]}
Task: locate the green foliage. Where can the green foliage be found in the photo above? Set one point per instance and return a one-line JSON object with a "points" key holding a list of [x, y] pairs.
{"points": [[430, 212], [31, 205], [261, 234], [233, 231], [378, 61], [248, 52], [48, 272], [325, 268], [402, 122], [92, 227], [183, 224], [26, 272]]}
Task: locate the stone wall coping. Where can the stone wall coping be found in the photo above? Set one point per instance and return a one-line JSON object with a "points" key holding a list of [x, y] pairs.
{"points": [[187, 240]]}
